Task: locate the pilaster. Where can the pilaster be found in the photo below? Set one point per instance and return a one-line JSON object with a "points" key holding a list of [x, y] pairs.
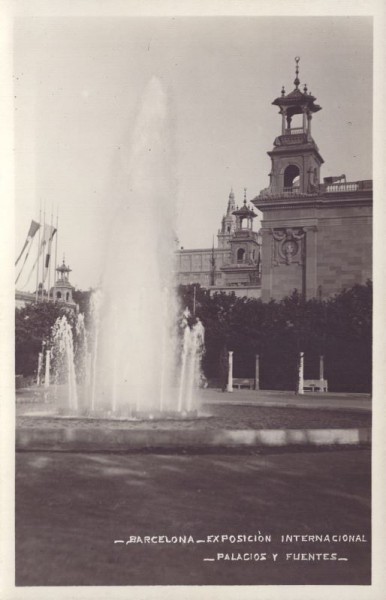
{"points": [[311, 278]]}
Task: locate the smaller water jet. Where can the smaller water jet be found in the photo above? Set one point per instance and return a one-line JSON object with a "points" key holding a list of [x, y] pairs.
{"points": [[63, 363], [75, 381], [193, 345]]}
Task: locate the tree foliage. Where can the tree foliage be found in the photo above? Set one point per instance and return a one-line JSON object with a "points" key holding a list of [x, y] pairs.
{"points": [[338, 328], [33, 324], [83, 300]]}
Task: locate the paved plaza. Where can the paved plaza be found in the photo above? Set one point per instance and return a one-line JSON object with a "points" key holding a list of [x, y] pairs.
{"points": [[329, 400]]}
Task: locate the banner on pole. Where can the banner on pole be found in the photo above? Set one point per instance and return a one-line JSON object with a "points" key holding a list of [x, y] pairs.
{"points": [[48, 253], [48, 234], [32, 230]]}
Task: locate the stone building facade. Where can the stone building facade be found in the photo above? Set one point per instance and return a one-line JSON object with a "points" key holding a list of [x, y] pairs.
{"points": [[316, 237], [234, 266]]}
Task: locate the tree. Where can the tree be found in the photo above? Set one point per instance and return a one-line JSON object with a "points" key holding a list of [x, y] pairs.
{"points": [[33, 325], [349, 339], [83, 300], [338, 328]]}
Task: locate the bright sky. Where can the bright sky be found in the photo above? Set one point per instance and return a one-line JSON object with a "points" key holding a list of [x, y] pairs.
{"points": [[78, 82]]}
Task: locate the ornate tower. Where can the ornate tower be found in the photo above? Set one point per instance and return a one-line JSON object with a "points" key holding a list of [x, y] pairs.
{"points": [[243, 268], [62, 290], [316, 237], [244, 244], [228, 224], [295, 157]]}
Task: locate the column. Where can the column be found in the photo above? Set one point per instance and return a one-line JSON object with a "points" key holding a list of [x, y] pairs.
{"points": [[309, 118], [321, 367], [257, 372], [266, 265], [301, 374], [283, 115], [310, 257], [230, 372], [40, 364], [304, 121]]}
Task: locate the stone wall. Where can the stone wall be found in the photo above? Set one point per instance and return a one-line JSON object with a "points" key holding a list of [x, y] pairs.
{"points": [[344, 249], [337, 251]]}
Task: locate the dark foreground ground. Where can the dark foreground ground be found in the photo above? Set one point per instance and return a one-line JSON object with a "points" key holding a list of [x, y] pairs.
{"points": [[71, 507]]}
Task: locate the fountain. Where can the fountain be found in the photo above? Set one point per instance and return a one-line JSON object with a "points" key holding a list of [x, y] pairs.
{"points": [[193, 342], [138, 361], [62, 353]]}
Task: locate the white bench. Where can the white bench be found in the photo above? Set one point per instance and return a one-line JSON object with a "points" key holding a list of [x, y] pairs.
{"points": [[315, 385], [246, 383]]}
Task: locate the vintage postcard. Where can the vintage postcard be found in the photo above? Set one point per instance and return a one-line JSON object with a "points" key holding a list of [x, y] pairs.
{"points": [[192, 395]]}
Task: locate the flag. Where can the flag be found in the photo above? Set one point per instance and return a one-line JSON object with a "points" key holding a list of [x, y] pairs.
{"points": [[48, 234], [32, 230], [25, 260], [48, 253]]}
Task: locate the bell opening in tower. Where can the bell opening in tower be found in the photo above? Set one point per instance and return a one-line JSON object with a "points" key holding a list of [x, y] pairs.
{"points": [[291, 178]]}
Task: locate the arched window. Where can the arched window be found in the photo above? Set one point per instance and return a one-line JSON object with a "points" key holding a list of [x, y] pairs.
{"points": [[229, 229], [240, 255], [291, 178], [58, 295], [67, 296]]}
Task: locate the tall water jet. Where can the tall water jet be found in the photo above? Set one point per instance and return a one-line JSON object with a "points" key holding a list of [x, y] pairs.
{"points": [[135, 343]]}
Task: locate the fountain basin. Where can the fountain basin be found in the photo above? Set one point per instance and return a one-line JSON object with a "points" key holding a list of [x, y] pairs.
{"points": [[97, 439], [51, 402], [216, 427]]}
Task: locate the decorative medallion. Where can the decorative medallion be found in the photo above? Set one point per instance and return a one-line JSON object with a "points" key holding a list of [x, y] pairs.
{"points": [[288, 245], [289, 248]]}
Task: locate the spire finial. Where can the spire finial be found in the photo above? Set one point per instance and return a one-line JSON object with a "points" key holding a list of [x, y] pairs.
{"points": [[283, 91], [231, 202], [297, 80], [245, 196]]}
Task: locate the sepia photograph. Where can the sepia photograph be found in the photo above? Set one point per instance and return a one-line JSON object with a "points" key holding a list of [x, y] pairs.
{"points": [[192, 294]]}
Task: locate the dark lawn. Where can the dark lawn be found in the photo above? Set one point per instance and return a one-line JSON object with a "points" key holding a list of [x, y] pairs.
{"points": [[71, 507]]}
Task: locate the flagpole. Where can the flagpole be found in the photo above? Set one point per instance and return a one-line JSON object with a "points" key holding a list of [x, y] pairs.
{"points": [[56, 248], [49, 264], [213, 266], [37, 260], [43, 249], [27, 247]]}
